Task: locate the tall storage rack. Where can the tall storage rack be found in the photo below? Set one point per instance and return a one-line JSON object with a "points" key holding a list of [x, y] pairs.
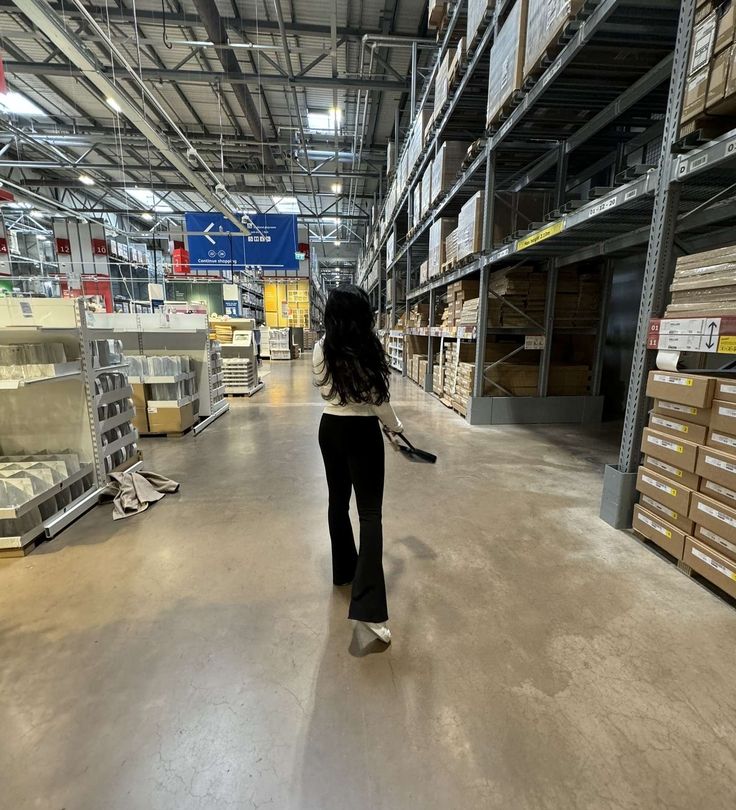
{"points": [[597, 136], [65, 412]]}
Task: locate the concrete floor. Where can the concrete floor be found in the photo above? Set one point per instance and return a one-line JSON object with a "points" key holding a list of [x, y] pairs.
{"points": [[197, 656]]}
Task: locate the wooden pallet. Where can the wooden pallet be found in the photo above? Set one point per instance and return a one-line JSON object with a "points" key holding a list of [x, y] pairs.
{"points": [[699, 131], [14, 553], [177, 435]]}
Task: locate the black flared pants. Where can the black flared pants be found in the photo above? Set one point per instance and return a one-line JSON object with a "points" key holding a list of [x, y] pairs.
{"points": [[352, 449]]}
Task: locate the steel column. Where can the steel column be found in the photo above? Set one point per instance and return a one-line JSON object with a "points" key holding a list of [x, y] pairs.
{"points": [[429, 377], [619, 482], [600, 340], [549, 323]]}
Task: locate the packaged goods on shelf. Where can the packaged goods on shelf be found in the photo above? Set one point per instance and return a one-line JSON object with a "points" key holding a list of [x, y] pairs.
{"points": [[436, 13], [416, 211], [711, 564], [546, 21], [446, 166], [470, 227], [683, 388], [426, 184], [169, 419], [424, 272], [507, 61], [33, 361], [704, 283], [416, 139], [418, 316], [479, 11], [450, 249], [390, 157], [438, 377], [469, 313], [442, 83], [524, 288], [651, 526], [694, 99], [438, 233], [391, 247], [577, 298], [702, 43], [458, 60]]}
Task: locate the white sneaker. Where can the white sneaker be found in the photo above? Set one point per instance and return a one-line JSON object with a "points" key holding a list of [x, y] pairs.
{"points": [[381, 631]]}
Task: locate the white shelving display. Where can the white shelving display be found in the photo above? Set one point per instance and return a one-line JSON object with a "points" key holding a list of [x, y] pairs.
{"points": [[65, 418], [240, 365], [181, 360], [279, 348], [396, 350]]}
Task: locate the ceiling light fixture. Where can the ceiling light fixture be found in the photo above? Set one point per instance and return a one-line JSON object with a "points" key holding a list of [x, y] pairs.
{"points": [[86, 179], [113, 104], [147, 216], [17, 104], [336, 188], [337, 243]]}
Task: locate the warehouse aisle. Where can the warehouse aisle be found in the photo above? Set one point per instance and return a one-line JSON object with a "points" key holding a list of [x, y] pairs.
{"points": [[197, 657]]}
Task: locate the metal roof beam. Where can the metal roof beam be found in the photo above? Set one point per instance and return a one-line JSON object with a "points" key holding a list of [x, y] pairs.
{"points": [[200, 77]]}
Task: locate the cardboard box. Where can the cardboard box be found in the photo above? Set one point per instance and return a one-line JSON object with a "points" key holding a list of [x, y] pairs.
{"points": [[140, 420], [506, 69], [695, 416], [679, 453], [470, 226], [438, 233], [718, 492], [695, 97], [723, 417], [446, 166], [725, 391], [666, 536], [664, 490], [721, 441], [170, 420], [477, 11], [714, 515], [724, 27], [715, 541], [717, 466], [546, 21], [718, 82], [687, 479], [678, 427], [712, 565], [682, 522], [702, 44], [685, 389]]}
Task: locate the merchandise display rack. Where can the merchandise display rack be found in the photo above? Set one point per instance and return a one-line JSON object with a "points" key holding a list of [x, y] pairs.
{"points": [[544, 144], [65, 418], [169, 333]]}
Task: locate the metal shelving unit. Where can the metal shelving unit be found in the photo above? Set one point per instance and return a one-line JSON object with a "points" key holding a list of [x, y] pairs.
{"points": [[597, 136]]}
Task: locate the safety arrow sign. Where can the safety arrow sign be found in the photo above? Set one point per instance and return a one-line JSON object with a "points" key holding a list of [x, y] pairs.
{"points": [[207, 231]]}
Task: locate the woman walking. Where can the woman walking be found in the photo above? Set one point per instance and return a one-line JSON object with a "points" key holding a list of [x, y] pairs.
{"points": [[352, 374]]}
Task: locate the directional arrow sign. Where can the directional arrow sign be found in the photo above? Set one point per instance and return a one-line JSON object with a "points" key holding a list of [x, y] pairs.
{"points": [[712, 328], [206, 233]]}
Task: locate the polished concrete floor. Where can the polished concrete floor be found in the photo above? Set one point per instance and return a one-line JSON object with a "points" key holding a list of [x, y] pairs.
{"points": [[197, 657]]}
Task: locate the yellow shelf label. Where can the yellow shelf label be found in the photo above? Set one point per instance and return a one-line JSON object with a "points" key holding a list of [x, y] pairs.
{"points": [[727, 344], [541, 235]]}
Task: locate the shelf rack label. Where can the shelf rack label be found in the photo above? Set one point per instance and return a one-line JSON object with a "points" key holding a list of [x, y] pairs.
{"points": [[540, 235]]}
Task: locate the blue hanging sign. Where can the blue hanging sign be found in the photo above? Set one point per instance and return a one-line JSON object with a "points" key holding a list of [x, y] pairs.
{"points": [[217, 246]]}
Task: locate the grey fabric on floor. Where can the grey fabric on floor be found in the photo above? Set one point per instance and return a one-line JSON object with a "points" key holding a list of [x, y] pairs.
{"points": [[133, 492]]}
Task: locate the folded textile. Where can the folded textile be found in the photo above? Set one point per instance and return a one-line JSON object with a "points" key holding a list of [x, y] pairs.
{"points": [[133, 492]]}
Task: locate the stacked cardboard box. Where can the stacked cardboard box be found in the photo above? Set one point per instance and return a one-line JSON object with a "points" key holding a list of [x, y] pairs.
{"points": [[442, 83], [469, 313], [456, 64], [687, 482], [450, 249], [710, 89], [438, 378], [478, 12], [577, 298], [426, 189], [470, 227], [438, 233], [436, 13], [416, 210], [418, 316], [507, 61], [457, 294], [705, 282], [546, 21], [446, 166], [523, 287], [424, 272]]}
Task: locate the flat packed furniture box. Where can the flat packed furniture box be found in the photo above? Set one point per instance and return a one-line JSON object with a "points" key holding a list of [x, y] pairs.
{"points": [[546, 21], [507, 62]]}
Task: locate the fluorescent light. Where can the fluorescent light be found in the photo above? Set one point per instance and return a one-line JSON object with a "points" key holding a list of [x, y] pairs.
{"points": [[17, 104], [147, 216], [337, 188], [113, 105], [149, 199], [37, 214], [86, 179], [286, 205], [41, 237]]}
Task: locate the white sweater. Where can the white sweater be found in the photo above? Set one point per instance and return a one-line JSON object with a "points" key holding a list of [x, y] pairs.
{"points": [[384, 412]]}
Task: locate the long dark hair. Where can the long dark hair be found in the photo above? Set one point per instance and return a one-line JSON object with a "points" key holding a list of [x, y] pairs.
{"points": [[355, 365]]}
